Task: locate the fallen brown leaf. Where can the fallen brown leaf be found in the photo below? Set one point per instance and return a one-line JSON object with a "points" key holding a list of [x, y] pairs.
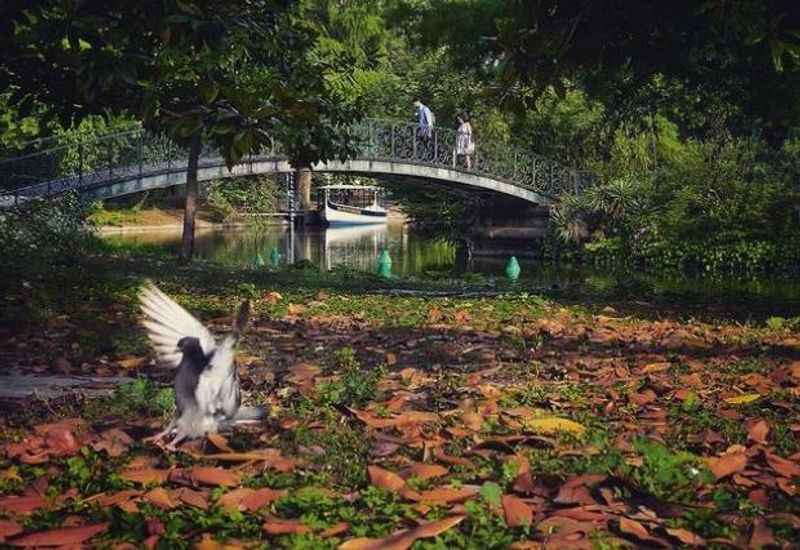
{"points": [[207, 475], [757, 431], [517, 513], [443, 495], [335, 530], [426, 471], [687, 537], [145, 476], [782, 466], [22, 505], [762, 536], [115, 442], [132, 362], [727, 464], [219, 442], [198, 499], [385, 479], [633, 527], [9, 528], [161, 498], [272, 458], [249, 500], [404, 539], [276, 526], [60, 537]]}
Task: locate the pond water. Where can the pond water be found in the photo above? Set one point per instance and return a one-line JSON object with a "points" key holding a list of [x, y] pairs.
{"points": [[414, 254]]}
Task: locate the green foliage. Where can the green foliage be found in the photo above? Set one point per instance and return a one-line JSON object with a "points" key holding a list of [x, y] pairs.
{"points": [[355, 387], [136, 398], [238, 195], [43, 235], [491, 493], [91, 472], [718, 207], [671, 476]]}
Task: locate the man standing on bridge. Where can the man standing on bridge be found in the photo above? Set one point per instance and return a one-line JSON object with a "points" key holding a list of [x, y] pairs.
{"points": [[425, 119], [425, 129]]}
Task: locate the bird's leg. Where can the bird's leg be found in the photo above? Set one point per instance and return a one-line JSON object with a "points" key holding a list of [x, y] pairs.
{"points": [[173, 445], [159, 437]]}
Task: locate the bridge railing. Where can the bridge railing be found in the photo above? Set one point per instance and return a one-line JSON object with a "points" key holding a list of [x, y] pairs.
{"points": [[123, 156]]}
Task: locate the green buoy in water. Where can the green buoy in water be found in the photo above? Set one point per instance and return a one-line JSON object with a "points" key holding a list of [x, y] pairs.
{"points": [[259, 261], [275, 257], [512, 269], [385, 264]]}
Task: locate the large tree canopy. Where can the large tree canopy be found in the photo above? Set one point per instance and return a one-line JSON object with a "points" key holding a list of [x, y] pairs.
{"points": [[745, 52]]}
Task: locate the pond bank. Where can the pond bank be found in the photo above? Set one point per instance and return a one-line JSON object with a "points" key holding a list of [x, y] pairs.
{"points": [[123, 220]]}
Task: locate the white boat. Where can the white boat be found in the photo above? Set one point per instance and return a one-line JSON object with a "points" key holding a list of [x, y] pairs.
{"points": [[336, 213]]}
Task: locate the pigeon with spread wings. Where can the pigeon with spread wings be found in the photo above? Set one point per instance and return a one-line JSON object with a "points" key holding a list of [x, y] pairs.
{"points": [[207, 392]]}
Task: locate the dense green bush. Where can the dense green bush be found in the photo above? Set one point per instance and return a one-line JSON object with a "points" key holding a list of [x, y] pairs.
{"points": [[237, 195], [44, 236], [726, 206]]}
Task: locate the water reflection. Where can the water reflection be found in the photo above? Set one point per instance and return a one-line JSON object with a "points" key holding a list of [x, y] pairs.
{"points": [[354, 247], [413, 254]]}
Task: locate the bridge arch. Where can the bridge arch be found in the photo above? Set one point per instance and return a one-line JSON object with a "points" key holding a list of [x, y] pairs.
{"points": [[130, 162]]}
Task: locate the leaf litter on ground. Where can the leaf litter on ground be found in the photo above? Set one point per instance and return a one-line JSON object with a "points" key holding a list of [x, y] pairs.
{"points": [[555, 429]]}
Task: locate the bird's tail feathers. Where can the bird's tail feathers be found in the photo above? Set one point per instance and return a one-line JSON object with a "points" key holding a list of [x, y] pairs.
{"points": [[249, 414]]}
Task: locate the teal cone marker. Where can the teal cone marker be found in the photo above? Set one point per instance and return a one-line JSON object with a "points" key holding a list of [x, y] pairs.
{"points": [[512, 268], [259, 262], [275, 257], [385, 264]]}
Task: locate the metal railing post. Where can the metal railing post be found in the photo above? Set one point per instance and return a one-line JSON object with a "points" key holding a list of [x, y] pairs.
{"points": [[372, 147], [80, 163], [110, 162], [435, 146], [140, 153], [514, 167], [393, 139]]}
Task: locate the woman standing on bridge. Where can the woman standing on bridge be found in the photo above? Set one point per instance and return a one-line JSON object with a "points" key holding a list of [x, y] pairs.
{"points": [[465, 147]]}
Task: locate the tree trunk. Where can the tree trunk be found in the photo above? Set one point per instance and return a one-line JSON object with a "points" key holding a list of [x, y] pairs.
{"points": [[303, 179], [190, 206]]}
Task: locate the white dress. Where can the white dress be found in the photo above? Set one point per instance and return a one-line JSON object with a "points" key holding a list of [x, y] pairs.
{"points": [[464, 144]]}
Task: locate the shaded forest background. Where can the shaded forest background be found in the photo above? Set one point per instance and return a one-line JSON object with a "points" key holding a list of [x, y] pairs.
{"points": [[688, 112]]}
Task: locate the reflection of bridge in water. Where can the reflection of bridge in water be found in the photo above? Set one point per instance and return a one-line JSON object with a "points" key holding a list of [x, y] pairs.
{"points": [[135, 161], [356, 247]]}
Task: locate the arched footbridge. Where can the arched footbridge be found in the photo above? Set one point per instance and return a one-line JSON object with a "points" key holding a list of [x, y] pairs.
{"points": [[129, 162]]}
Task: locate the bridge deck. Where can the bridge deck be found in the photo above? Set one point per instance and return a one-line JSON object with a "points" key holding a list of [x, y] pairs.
{"points": [[130, 162]]}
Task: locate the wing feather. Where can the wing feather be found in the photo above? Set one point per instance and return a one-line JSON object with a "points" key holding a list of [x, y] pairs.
{"points": [[167, 322]]}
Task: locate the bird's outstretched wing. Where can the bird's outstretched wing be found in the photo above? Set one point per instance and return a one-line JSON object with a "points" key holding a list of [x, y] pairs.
{"points": [[167, 322]]}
